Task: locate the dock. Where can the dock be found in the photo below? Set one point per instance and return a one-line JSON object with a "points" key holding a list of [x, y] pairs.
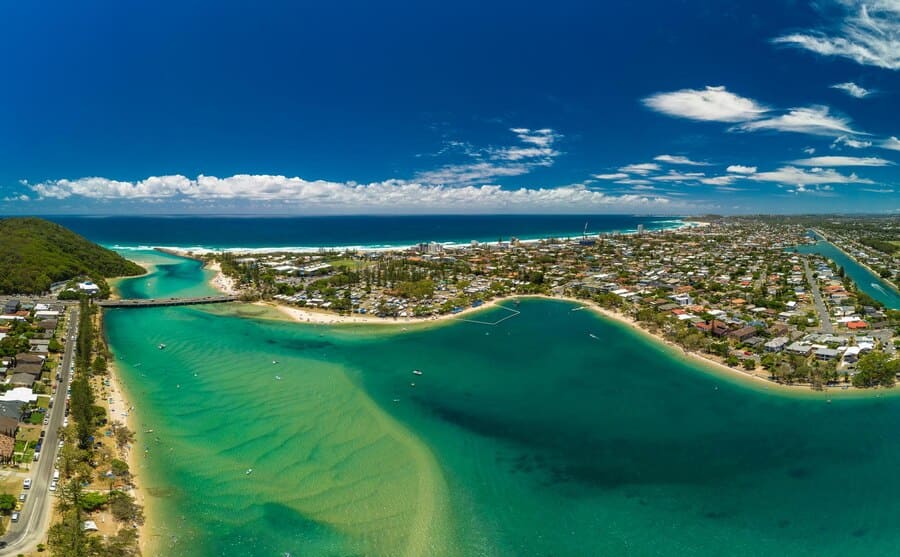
{"points": [[161, 302]]}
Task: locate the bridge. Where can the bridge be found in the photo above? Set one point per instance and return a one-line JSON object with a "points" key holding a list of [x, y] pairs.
{"points": [[160, 302]]}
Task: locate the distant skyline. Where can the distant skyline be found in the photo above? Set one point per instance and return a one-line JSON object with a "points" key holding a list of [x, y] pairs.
{"points": [[403, 108]]}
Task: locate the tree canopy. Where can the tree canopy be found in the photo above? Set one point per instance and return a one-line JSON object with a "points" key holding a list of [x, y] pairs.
{"points": [[35, 253]]}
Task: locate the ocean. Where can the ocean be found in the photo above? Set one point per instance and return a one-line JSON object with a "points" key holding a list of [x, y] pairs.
{"points": [[530, 437], [313, 233]]}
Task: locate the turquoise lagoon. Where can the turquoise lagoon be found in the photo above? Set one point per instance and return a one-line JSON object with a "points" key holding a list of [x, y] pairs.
{"points": [[528, 438]]}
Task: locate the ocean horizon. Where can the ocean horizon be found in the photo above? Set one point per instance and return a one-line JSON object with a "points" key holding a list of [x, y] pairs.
{"points": [[282, 233]]}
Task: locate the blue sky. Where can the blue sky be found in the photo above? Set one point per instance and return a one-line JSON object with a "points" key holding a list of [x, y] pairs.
{"points": [[410, 107]]}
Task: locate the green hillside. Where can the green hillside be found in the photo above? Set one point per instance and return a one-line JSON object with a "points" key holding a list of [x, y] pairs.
{"points": [[34, 253]]}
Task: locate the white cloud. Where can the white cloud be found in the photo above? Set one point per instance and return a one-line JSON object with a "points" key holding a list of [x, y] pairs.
{"points": [[611, 176], [678, 159], [324, 196], [740, 169], [793, 176], [878, 190], [811, 150], [852, 89], [498, 162], [868, 34], [814, 120], [634, 182], [822, 191], [719, 180], [711, 104], [847, 141], [891, 143], [643, 168], [674, 176], [842, 161]]}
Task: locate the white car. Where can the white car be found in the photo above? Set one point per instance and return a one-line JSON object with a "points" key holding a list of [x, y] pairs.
{"points": [[27, 483], [53, 485]]}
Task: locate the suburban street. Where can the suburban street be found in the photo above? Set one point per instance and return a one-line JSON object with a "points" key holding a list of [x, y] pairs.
{"points": [[24, 535], [824, 318]]}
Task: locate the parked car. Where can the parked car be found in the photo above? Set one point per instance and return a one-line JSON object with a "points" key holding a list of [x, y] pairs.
{"points": [[15, 516], [27, 483]]}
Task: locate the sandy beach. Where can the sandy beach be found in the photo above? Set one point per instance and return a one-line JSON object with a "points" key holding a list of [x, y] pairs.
{"points": [[319, 317], [305, 315], [121, 410], [221, 281]]}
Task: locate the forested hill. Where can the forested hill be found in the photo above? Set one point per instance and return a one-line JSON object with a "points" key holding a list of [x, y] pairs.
{"points": [[34, 253]]}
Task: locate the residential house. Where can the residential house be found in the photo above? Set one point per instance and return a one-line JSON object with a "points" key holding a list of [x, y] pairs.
{"points": [[742, 334], [776, 344], [9, 426]]}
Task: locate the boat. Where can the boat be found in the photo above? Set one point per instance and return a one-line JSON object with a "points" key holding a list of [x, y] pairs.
{"points": [[592, 335], [274, 362], [417, 372], [162, 346], [278, 377], [249, 471]]}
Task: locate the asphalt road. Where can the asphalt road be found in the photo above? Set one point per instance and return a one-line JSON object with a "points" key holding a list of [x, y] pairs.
{"points": [[34, 519], [824, 318]]}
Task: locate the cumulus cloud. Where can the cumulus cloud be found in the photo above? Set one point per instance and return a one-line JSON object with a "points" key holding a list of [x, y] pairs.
{"points": [[891, 143], [814, 120], [852, 89], [321, 195], [610, 176], [715, 104], [741, 169], [842, 161], [793, 176], [868, 34], [847, 141], [678, 159], [642, 169], [719, 180]]}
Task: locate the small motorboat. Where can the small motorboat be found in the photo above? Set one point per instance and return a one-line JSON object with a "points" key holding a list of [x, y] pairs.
{"points": [[593, 336], [417, 372], [278, 378], [162, 346], [249, 471]]}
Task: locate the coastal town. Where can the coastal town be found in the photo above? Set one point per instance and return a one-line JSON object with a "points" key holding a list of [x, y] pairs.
{"points": [[743, 295], [63, 455], [736, 292]]}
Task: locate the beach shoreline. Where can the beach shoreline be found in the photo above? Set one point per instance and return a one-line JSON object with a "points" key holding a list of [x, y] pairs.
{"points": [[121, 409], [714, 367], [220, 281]]}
